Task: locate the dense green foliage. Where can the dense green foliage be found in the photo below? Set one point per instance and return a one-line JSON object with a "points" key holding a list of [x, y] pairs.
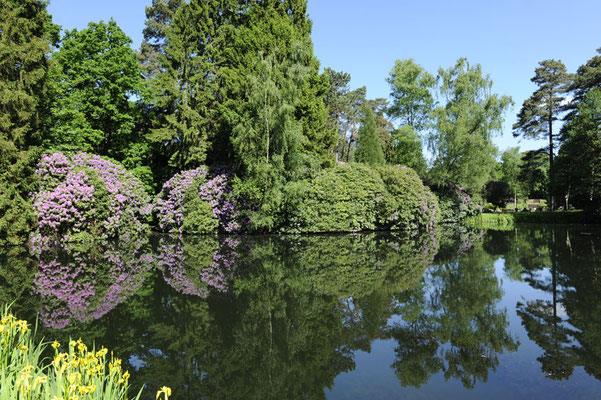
{"points": [[534, 173], [407, 150], [26, 34], [369, 150], [355, 197], [464, 127], [456, 205]]}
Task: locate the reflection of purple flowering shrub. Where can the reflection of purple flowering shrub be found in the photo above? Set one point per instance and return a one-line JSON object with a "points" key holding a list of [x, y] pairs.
{"points": [[84, 192], [194, 267], [180, 197], [84, 286]]}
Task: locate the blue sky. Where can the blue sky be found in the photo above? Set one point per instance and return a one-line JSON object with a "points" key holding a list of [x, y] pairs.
{"points": [[364, 38]]}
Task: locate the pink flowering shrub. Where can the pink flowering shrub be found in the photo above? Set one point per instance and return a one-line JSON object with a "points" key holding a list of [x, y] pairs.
{"points": [[196, 201], [86, 193]]}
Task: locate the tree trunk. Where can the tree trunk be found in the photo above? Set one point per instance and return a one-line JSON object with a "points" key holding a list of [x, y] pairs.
{"points": [[551, 205]]}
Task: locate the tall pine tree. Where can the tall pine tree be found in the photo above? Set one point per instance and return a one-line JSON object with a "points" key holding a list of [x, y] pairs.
{"points": [[540, 110]]}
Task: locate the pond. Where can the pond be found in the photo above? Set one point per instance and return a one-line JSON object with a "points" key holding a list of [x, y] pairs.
{"points": [[460, 314]]}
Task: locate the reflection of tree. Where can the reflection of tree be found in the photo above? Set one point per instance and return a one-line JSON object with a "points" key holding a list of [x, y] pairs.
{"points": [[540, 319], [16, 280], [566, 265], [451, 322], [197, 264]]}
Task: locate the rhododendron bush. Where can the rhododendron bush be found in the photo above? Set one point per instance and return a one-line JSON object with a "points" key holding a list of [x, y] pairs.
{"points": [[198, 201], [86, 193], [357, 197]]}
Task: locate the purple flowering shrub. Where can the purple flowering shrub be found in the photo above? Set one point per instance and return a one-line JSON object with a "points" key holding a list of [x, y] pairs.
{"points": [[194, 266], [198, 201], [86, 193], [85, 285]]}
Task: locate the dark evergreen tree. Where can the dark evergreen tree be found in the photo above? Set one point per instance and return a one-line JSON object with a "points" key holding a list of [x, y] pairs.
{"points": [[384, 127], [369, 149], [182, 92], [540, 110], [158, 20], [534, 173], [578, 165], [587, 77], [26, 34]]}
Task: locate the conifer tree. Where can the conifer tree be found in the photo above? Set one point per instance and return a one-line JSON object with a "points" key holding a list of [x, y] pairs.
{"points": [[540, 110], [26, 34], [158, 20], [369, 149]]}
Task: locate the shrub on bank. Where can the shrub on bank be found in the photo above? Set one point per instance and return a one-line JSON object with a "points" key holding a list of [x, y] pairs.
{"points": [[344, 198], [414, 206], [456, 205], [198, 201], [86, 193], [356, 197]]}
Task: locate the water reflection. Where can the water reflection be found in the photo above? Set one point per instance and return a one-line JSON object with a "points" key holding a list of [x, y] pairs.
{"points": [[284, 316], [564, 264], [83, 284], [451, 321]]}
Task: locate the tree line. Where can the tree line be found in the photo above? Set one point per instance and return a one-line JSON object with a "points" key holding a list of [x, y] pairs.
{"points": [[236, 83]]}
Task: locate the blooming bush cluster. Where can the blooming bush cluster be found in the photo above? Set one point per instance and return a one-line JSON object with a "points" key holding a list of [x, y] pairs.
{"points": [[84, 192], [198, 201], [85, 285], [78, 373]]}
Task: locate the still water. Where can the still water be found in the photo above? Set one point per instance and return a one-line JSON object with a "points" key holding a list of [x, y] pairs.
{"points": [[460, 314]]}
